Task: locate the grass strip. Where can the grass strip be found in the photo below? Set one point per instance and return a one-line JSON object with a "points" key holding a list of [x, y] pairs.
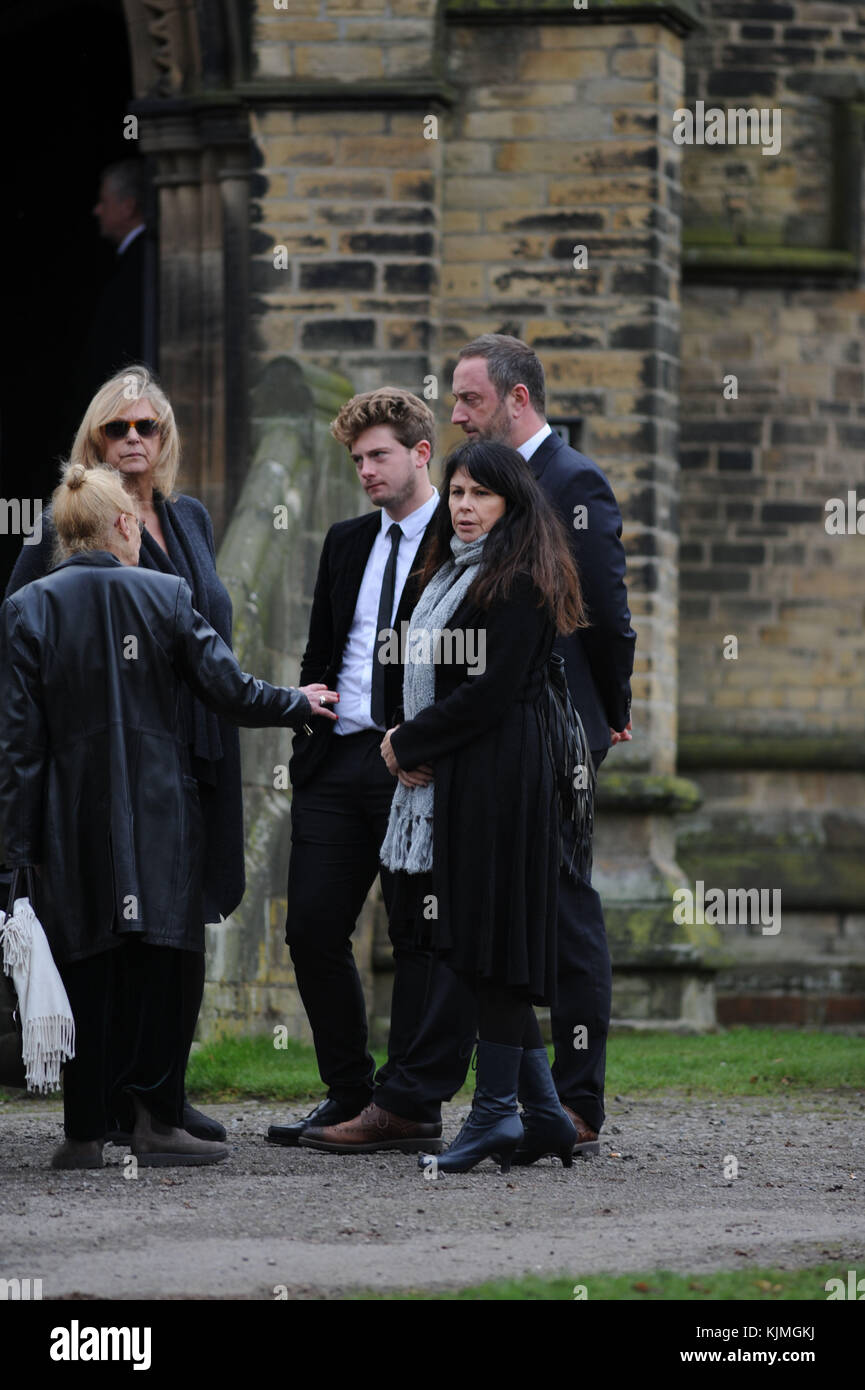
{"points": [[737, 1062], [741, 1061], [651, 1286]]}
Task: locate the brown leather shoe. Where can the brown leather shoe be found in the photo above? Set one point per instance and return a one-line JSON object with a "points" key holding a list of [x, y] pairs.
{"points": [[371, 1130], [587, 1144]]}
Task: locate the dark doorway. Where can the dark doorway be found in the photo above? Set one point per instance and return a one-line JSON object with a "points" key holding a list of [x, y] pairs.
{"points": [[67, 89]]}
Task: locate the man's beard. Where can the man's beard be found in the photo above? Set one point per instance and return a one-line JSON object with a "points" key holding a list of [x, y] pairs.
{"points": [[498, 428], [396, 499]]}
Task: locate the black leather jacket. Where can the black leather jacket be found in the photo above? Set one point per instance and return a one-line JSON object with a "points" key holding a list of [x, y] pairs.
{"points": [[95, 783]]}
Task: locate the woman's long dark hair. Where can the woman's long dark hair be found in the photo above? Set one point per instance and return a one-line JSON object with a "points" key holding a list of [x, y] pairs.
{"points": [[528, 538]]}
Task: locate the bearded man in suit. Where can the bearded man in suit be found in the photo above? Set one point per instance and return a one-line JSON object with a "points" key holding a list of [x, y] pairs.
{"points": [[342, 792]]}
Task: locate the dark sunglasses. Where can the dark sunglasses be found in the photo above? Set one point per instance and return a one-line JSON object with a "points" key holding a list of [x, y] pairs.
{"points": [[118, 429]]}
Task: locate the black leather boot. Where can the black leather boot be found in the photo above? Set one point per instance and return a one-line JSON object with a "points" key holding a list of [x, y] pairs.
{"points": [[547, 1128], [493, 1128]]}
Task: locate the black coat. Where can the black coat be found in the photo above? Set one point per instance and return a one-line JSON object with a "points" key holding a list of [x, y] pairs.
{"points": [[598, 659], [495, 825], [214, 743], [95, 780], [121, 331], [344, 556]]}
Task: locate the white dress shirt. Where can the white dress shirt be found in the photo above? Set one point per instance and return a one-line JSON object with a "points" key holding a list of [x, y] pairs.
{"points": [[535, 442], [354, 681]]}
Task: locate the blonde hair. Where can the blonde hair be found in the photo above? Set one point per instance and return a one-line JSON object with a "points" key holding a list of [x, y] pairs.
{"points": [[85, 508], [123, 389]]}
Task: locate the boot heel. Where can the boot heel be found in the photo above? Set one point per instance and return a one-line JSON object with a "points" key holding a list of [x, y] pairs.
{"points": [[549, 1131], [493, 1128]]}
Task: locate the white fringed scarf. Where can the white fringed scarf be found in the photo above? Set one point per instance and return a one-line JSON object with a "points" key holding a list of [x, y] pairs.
{"points": [[47, 1024], [408, 843]]}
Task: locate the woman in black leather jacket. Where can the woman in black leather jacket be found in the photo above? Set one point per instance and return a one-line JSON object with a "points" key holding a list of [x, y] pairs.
{"points": [[96, 787]]}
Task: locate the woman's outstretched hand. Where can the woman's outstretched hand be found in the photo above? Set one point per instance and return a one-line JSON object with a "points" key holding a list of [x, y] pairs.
{"points": [[315, 694]]}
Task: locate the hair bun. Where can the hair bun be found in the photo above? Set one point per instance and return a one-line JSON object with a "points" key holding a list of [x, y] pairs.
{"points": [[75, 475]]}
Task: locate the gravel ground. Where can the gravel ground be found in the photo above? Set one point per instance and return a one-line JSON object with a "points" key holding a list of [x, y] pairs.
{"points": [[321, 1224]]}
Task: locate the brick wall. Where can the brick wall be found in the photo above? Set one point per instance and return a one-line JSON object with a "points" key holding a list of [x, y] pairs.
{"points": [[351, 192], [343, 40], [756, 559], [556, 141], [553, 135], [399, 248]]}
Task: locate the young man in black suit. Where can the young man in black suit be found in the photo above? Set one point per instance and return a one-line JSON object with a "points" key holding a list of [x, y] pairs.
{"points": [[500, 394], [342, 790]]}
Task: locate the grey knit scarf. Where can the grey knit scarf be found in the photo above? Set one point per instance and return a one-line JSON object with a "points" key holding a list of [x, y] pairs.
{"points": [[408, 843]]}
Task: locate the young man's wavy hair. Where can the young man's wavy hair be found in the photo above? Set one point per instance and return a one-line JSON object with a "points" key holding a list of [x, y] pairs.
{"points": [[409, 417], [529, 537]]}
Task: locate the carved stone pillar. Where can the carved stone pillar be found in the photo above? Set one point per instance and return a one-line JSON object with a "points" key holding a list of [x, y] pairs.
{"points": [[187, 61]]}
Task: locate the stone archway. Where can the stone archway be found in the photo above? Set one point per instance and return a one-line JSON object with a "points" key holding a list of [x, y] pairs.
{"points": [[187, 57]]}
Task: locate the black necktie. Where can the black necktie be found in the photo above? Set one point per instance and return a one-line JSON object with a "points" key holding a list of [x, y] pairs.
{"points": [[385, 611]]}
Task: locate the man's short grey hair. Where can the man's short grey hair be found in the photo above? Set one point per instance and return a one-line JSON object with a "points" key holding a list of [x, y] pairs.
{"points": [[128, 179], [510, 362]]}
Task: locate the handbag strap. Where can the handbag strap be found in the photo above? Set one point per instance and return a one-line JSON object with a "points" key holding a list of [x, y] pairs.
{"points": [[25, 871]]}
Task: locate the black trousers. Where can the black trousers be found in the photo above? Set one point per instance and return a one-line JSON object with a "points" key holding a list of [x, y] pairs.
{"points": [[584, 980], [585, 984], [135, 1010], [339, 820]]}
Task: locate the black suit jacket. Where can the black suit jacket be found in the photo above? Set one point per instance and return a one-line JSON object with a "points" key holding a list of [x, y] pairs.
{"points": [[121, 331], [598, 659], [344, 557]]}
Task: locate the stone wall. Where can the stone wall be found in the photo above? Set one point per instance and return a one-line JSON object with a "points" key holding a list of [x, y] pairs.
{"points": [[774, 297], [431, 171], [556, 142], [349, 186], [514, 172]]}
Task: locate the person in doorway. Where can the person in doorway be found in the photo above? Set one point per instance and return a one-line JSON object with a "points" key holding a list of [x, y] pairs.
{"points": [[123, 327]]}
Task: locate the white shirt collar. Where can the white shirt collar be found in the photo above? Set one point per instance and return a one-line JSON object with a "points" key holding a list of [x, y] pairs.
{"points": [[535, 442], [129, 238], [416, 521]]}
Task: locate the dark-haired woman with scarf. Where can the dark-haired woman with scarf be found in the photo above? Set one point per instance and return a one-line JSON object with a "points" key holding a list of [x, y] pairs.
{"points": [[475, 847]]}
